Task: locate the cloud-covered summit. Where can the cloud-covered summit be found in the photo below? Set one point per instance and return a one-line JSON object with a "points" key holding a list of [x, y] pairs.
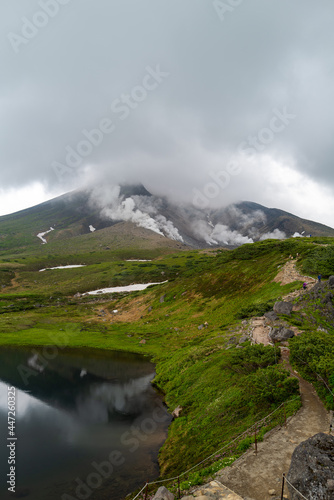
{"points": [[233, 225], [169, 93]]}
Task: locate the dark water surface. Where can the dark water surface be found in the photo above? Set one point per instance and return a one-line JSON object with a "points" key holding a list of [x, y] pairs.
{"points": [[88, 425]]}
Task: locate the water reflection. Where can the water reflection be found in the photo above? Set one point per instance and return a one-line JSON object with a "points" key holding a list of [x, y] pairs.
{"points": [[78, 410]]}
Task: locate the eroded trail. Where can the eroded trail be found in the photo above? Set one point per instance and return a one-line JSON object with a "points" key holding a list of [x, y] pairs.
{"points": [[259, 476], [253, 476]]}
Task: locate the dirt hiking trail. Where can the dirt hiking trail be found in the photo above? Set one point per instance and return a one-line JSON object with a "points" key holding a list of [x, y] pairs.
{"points": [[287, 274], [259, 476], [253, 476]]}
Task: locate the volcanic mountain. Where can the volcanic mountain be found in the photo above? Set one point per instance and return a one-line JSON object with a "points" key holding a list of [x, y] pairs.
{"points": [[120, 215]]}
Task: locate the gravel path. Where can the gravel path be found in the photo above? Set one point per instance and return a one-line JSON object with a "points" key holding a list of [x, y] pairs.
{"points": [[259, 476], [253, 475]]}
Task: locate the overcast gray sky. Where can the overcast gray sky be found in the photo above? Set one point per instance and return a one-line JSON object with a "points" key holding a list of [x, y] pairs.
{"points": [[207, 101]]}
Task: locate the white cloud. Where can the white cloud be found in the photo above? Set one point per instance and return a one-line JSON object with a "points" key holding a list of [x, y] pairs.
{"points": [[66, 78], [15, 199]]}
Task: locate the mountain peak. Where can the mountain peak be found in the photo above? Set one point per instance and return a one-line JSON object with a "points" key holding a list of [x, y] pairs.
{"points": [[83, 212]]}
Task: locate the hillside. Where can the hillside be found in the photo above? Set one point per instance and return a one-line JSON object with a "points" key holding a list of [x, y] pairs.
{"points": [[77, 218], [190, 325]]}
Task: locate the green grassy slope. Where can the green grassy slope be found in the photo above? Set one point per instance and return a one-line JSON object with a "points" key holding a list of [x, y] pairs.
{"points": [[190, 326]]}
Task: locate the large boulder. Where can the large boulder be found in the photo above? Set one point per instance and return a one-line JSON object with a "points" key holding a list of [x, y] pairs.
{"points": [[312, 468], [271, 316], [283, 307], [163, 494], [281, 334], [331, 282]]}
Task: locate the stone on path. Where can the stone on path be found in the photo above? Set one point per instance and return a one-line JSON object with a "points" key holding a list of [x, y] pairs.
{"points": [[213, 490], [163, 494]]}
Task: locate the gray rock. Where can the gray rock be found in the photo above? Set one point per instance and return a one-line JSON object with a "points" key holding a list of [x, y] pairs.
{"points": [[232, 341], [162, 298], [163, 494], [321, 329], [177, 411], [283, 308], [200, 327], [280, 334], [327, 298], [271, 316], [331, 282], [312, 468], [243, 339], [150, 309]]}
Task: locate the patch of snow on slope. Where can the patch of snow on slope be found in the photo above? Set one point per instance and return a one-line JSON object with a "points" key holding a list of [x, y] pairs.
{"points": [[41, 235], [129, 288], [92, 228], [61, 267]]}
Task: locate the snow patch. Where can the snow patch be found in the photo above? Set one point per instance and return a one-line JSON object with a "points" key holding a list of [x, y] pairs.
{"points": [[129, 288], [92, 228], [62, 267], [41, 235]]}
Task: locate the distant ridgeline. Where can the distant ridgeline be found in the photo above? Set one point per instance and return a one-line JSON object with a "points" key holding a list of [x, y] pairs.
{"points": [[123, 216]]}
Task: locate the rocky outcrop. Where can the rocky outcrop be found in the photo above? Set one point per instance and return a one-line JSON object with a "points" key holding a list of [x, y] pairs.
{"points": [[331, 282], [163, 494], [312, 468], [283, 308], [281, 334], [327, 299], [243, 339], [213, 491], [271, 316]]}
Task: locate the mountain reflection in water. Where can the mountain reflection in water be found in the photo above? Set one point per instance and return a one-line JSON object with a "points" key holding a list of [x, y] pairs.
{"points": [[75, 410]]}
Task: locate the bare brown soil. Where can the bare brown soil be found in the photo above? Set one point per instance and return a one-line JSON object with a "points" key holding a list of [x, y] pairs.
{"points": [[130, 312]]}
